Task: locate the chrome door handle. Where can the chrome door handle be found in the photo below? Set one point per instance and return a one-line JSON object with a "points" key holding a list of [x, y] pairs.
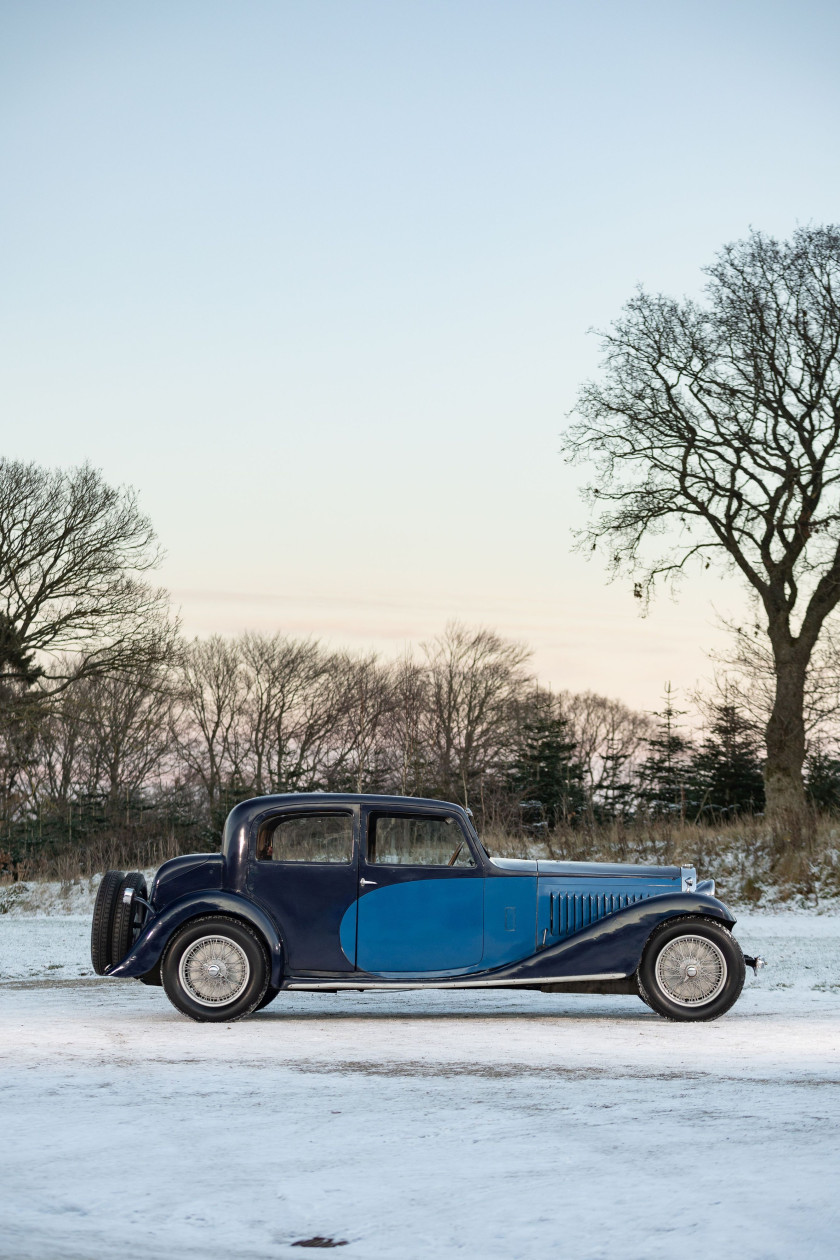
{"points": [[367, 883]]}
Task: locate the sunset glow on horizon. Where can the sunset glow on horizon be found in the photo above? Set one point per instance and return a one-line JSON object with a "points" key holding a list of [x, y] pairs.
{"points": [[317, 279]]}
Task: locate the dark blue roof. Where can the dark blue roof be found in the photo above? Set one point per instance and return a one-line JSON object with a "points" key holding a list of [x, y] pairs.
{"points": [[340, 798], [238, 822]]}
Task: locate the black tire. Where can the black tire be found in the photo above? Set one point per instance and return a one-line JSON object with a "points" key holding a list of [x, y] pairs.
{"points": [[103, 921], [267, 998], [672, 990], [230, 943], [128, 918]]}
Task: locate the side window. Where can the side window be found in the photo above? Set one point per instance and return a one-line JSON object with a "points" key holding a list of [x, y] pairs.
{"points": [[307, 838], [417, 841]]}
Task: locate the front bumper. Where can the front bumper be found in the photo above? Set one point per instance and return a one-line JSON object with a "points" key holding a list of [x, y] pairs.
{"points": [[755, 961]]}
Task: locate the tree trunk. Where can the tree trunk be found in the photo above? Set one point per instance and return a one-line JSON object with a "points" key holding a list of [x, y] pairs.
{"points": [[784, 787]]}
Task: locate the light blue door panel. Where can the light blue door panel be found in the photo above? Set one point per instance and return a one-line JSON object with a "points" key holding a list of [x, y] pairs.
{"points": [[510, 919], [420, 926]]}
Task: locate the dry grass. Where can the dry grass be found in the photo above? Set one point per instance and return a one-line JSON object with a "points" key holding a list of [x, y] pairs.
{"points": [[101, 854], [747, 864]]}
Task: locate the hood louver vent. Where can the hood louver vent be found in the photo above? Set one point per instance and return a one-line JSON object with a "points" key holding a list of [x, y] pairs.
{"points": [[577, 910]]}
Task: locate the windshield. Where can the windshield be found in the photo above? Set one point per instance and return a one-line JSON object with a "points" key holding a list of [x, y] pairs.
{"points": [[481, 846]]}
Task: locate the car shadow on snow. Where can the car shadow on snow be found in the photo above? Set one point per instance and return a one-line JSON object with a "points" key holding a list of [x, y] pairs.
{"points": [[392, 1014]]}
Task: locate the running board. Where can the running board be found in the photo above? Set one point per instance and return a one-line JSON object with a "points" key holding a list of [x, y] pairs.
{"points": [[333, 986]]}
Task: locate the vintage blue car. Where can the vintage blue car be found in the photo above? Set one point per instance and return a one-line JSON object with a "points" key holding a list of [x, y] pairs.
{"points": [[330, 892]]}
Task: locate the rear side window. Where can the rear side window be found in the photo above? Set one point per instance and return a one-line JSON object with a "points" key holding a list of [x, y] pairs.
{"points": [[307, 838], [417, 841]]}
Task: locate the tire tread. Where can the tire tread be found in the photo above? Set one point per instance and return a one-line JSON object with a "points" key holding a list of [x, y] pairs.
{"points": [[103, 921]]}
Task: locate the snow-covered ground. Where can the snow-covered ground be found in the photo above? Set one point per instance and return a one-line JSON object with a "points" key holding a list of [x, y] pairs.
{"points": [[418, 1125]]}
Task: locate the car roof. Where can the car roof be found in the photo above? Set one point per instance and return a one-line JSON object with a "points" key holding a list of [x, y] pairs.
{"points": [[240, 818], [345, 798]]}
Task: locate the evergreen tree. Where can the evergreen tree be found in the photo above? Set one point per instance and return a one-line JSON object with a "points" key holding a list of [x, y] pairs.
{"points": [[615, 792], [19, 713], [726, 771], [545, 768], [822, 779], [663, 776], [18, 670]]}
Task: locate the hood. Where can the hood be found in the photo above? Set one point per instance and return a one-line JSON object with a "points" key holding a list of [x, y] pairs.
{"points": [[610, 870]]}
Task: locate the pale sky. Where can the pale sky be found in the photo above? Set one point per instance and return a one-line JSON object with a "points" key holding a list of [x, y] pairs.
{"points": [[316, 278]]}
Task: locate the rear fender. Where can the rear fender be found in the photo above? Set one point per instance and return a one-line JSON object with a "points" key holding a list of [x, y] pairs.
{"points": [[147, 950], [614, 945]]}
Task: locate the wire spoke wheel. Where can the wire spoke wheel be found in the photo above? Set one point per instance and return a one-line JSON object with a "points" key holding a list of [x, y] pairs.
{"points": [[214, 970], [691, 970]]}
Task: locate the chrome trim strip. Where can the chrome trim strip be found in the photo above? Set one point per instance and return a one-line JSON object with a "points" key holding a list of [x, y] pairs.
{"points": [[450, 984]]}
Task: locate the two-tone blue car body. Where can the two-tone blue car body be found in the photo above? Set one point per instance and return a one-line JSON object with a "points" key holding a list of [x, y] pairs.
{"points": [[331, 892]]}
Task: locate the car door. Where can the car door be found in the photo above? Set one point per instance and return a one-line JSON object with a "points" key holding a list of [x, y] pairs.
{"points": [[421, 895], [304, 869]]}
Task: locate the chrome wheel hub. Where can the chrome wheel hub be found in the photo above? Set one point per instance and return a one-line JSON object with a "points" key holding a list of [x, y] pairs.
{"points": [[214, 970], [691, 970]]}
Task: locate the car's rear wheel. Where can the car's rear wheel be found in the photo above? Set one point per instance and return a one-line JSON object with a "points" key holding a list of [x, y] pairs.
{"points": [[215, 970], [692, 969], [104, 910]]}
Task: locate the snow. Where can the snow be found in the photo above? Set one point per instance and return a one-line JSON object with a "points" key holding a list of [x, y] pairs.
{"points": [[53, 897], [418, 1124]]}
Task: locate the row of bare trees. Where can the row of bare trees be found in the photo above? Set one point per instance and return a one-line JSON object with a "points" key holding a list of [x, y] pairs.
{"points": [[713, 428], [110, 722], [255, 714]]}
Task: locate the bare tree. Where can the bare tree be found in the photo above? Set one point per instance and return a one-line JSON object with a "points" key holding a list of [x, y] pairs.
{"points": [[745, 676], [359, 757], [715, 429], [58, 770], [407, 726], [105, 737], [73, 555], [474, 678], [607, 734], [210, 731], [293, 708], [128, 732]]}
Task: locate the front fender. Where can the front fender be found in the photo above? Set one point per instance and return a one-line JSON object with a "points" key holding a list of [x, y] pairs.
{"points": [[614, 945], [147, 950]]}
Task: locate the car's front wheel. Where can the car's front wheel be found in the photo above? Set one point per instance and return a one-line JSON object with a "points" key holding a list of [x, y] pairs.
{"points": [[692, 969], [215, 970]]}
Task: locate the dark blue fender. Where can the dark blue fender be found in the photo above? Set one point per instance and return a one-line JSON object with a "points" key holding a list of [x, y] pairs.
{"points": [[614, 945], [147, 950]]}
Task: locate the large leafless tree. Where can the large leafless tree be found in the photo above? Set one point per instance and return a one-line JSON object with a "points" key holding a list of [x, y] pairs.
{"points": [[74, 555], [715, 431]]}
